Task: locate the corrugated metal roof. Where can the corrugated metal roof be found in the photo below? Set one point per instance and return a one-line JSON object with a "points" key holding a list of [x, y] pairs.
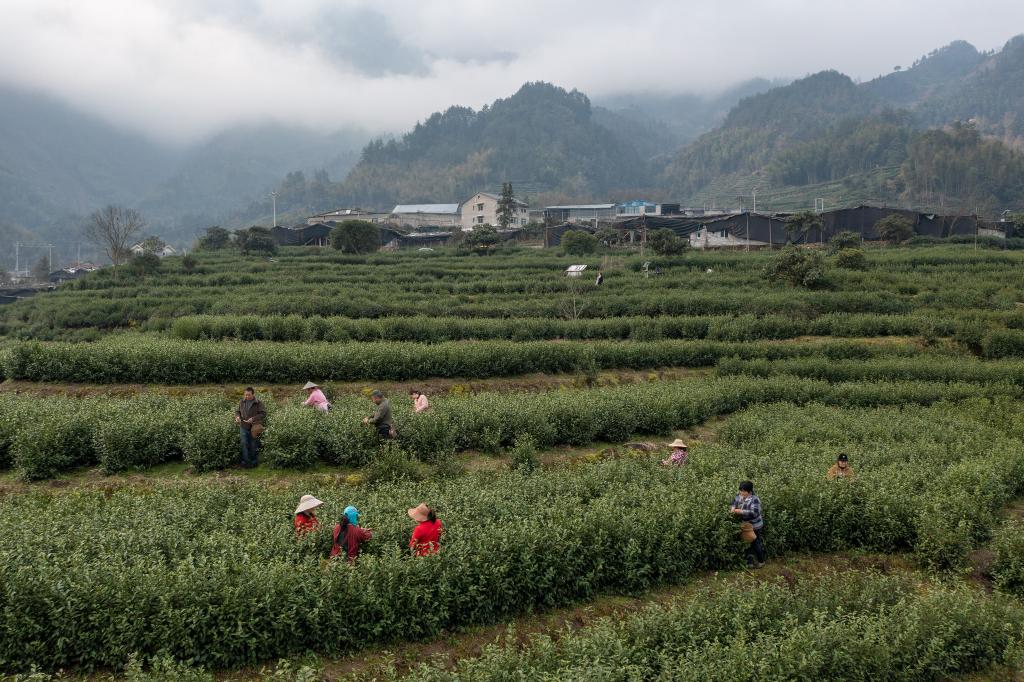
{"points": [[576, 268], [426, 208], [582, 206]]}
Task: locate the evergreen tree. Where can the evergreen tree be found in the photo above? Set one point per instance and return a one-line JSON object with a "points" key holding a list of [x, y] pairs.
{"points": [[506, 206]]}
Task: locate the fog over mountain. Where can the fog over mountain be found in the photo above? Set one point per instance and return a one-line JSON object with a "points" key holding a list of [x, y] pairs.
{"points": [[193, 112]]}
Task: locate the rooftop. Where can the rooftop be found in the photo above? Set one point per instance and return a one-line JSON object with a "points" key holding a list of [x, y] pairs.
{"points": [[583, 206], [426, 208]]}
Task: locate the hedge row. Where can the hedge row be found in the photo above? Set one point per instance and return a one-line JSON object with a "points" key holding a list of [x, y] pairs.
{"points": [[166, 361], [922, 368], [854, 626], [434, 329], [212, 574], [44, 439]]}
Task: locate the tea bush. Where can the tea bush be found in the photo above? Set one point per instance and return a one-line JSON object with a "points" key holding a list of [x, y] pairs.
{"points": [[853, 626], [163, 361], [1008, 567], [211, 573]]}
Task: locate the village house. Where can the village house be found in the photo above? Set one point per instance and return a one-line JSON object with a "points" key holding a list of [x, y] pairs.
{"points": [[482, 209], [164, 250]]}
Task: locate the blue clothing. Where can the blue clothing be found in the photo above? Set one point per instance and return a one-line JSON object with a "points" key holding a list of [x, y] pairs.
{"points": [[250, 447], [750, 509], [353, 515]]}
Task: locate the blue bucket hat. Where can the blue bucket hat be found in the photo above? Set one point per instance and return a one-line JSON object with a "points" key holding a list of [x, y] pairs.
{"points": [[353, 515]]}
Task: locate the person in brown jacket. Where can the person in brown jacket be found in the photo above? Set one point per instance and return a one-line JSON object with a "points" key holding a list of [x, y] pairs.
{"points": [[250, 413], [841, 469]]}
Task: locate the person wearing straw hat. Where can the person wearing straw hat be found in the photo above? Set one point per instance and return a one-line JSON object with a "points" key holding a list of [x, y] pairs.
{"points": [[680, 454], [841, 469], [426, 536], [349, 536], [316, 398], [305, 518]]}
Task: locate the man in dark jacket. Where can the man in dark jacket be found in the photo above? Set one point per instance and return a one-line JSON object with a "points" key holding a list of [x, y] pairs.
{"points": [[381, 418], [250, 413]]}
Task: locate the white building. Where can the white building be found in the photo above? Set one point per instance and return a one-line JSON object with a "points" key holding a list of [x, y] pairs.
{"points": [[343, 214], [163, 252], [425, 215], [482, 209], [577, 213]]}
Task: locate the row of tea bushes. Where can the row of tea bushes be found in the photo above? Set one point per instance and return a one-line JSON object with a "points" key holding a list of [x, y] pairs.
{"points": [[926, 367], [42, 439], [435, 329], [133, 359], [212, 574], [853, 626]]}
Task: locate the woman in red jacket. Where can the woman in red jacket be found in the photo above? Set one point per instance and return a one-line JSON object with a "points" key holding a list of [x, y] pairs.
{"points": [[426, 536], [305, 518]]}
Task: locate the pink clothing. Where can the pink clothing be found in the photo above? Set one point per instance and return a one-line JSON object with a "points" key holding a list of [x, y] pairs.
{"points": [[317, 399], [420, 403], [678, 458]]}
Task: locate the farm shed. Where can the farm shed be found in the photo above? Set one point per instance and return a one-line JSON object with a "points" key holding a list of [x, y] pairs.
{"points": [[575, 270]]}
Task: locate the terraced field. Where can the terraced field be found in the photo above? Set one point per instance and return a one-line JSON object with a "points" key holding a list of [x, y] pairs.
{"points": [[132, 544]]}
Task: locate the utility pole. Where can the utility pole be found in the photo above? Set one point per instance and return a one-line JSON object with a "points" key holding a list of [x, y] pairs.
{"points": [[273, 198], [755, 201], [748, 228]]}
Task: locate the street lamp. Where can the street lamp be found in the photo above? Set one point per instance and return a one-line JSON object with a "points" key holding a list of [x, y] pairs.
{"points": [[273, 198]]}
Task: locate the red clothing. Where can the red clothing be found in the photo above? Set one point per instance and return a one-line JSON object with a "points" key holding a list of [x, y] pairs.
{"points": [[354, 538], [305, 523], [425, 538]]}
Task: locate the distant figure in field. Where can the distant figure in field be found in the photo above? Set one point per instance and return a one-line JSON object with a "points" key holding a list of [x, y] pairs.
{"points": [[348, 536], [747, 506], [381, 418], [600, 279], [250, 416], [419, 401], [305, 517], [841, 469], [680, 454], [316, 398], [426, 536]]}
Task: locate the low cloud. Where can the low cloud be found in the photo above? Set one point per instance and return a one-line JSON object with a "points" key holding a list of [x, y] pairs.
{"points": [[179, 69]]}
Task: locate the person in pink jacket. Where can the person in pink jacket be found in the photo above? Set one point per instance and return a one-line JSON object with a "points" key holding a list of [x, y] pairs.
{"points": [[419, 401], [316, 397]]}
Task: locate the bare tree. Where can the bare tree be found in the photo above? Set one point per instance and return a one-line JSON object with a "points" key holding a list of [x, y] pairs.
{"points": [[112, 230]]}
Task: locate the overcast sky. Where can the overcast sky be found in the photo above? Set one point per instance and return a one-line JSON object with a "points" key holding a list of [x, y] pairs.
{"points": [[181, 69]]}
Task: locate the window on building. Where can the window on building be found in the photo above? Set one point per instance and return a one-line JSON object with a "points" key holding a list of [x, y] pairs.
{"points": [[479, 220], [479, 207]]}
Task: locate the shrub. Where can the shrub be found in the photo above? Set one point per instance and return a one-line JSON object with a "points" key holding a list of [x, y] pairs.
{"points": [[665, 242], [294, 439], [139, 438], [579, 243], [211, 441], [843, 240], [851, 259], [1008, 566], [797, 267], [523, 455], [355, 236], [1003, 343], [392, 463], [894, 229]]}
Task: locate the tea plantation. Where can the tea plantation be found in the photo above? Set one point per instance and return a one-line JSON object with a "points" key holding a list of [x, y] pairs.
{"points": [[132, 544]]}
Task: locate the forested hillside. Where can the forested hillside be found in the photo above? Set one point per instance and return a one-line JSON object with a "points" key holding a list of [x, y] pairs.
{"points": [[939, 134], [542, 137]]}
